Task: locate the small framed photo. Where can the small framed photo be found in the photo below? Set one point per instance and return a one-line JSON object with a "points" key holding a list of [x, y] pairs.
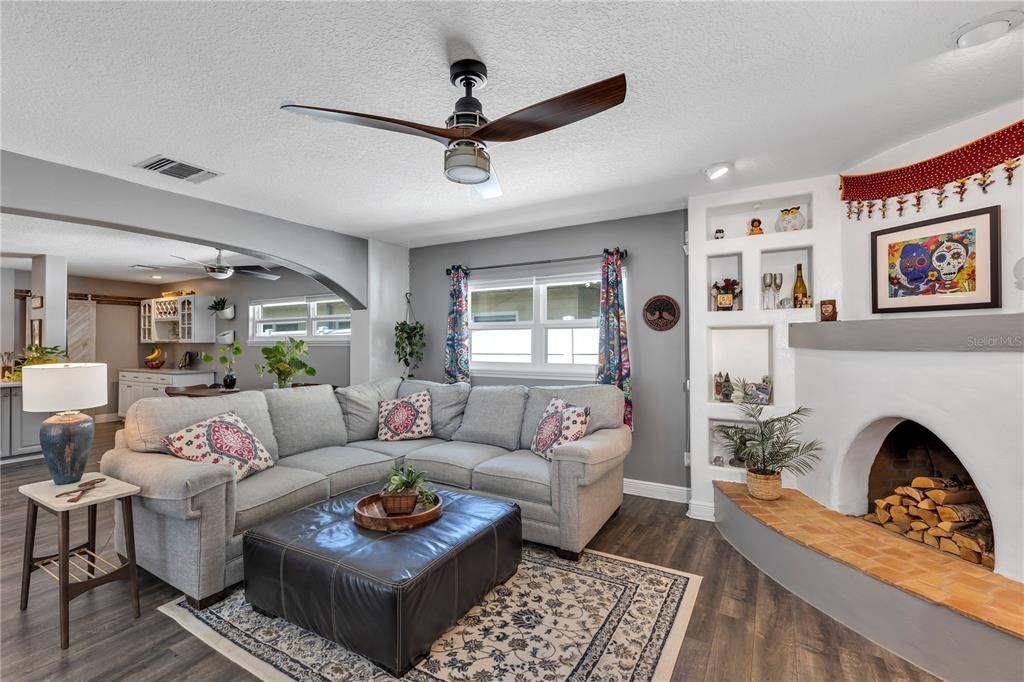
{"points": [[947, 263], [36, 332], [37, 302]]}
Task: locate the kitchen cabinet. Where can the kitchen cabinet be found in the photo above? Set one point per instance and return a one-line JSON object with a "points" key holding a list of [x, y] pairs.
{"points": [[19, 430], [177, 319], [136, 384]]}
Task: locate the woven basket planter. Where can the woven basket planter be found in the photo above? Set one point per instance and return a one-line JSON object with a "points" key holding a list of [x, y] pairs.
{"points": [[764, 487], [400, 503]]}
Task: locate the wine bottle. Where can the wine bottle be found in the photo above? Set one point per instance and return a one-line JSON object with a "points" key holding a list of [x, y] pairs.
{"points": [[799, 287]]}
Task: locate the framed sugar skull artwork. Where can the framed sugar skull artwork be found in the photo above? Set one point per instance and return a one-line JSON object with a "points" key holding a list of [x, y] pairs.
{"points": [[947, 263]]}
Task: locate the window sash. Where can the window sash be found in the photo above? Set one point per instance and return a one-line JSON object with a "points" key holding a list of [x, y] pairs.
{"points": [[311, 320]]}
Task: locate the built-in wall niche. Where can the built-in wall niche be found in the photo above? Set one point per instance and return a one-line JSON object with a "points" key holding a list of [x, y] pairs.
{"points": [[720, 454], [744, 354], [720, 268], [784, 261], [734, 219]]}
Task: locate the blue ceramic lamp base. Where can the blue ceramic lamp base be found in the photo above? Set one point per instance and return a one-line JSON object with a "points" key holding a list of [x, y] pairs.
{"points": [[66, 439]]}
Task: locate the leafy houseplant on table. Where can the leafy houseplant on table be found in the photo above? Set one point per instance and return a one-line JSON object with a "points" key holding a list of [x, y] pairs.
{"points": [[226, 357], [284, 360], [35, 354], [405, 487], [769, 446], [410, 340], [221, 309]]}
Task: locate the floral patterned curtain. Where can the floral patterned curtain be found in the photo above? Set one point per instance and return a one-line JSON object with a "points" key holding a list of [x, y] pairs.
{"points": [[613, 358], [456, 351]]}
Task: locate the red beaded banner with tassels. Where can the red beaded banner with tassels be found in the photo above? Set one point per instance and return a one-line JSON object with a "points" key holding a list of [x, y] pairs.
{"points": [[1001, 148]]}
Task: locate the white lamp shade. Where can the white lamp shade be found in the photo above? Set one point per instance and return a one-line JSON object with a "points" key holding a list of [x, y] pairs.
{"points": [[64, 386]]}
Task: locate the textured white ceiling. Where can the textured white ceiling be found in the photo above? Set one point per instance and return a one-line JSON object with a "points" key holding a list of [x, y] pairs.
{"points": [[101, 252], [784, 89]]}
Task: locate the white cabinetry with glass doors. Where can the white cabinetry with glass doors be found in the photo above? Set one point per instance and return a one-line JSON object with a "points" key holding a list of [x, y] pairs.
{"points": [[177, 319], [535, 326]]}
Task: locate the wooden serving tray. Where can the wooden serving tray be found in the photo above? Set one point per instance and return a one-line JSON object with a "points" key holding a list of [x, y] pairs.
{"points": [[369, 514]]}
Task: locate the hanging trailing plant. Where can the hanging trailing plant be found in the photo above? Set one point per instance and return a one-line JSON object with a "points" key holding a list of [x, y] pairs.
{"points": [[410, 340]]}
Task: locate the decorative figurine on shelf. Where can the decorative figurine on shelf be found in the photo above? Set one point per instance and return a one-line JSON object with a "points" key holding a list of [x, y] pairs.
{"points": [[901, 205], [790, 220], [718, 385], [829, 312], [719, 233], [755, 227], [726, 389], [984, 181], [726, 293]]}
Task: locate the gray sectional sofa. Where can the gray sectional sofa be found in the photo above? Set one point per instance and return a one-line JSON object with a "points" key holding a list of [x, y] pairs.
{"points": [[190, 517]]}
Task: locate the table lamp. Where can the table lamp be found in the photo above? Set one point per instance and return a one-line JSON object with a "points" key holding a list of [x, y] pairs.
{"points": [[65, 388]]}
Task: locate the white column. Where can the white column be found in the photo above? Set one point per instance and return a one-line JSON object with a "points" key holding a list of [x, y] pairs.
{"points": [[372, 351], [7, 312], [50, 280]]}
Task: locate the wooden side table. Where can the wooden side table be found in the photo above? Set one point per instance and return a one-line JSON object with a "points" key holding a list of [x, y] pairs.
{"points": [[77, 569]]}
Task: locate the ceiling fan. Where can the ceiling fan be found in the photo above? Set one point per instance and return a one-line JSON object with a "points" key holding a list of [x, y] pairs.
{"points": [[218, 269], [467, 131]]}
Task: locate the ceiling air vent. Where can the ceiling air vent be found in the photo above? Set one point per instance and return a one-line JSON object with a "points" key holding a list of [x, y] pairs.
{"points": [[177, 169]]}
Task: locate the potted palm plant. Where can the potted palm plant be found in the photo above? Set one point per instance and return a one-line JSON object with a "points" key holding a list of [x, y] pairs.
{"points": [[405, 487], [770, 446]]}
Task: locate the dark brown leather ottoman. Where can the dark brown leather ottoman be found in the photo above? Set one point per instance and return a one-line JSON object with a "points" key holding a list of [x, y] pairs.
{"points": [[386, 596]]}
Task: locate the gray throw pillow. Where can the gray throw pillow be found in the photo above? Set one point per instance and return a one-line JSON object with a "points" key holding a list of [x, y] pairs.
{"points": [[494, 416], [305, 418], [605, 401], [360, 403], [447, 403]]}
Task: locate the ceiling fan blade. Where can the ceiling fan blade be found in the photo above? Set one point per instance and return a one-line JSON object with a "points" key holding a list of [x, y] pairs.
{"points": [[258, 274], [142, 266], [192, 260], [555, 112], [489, 189], [442, 135]]}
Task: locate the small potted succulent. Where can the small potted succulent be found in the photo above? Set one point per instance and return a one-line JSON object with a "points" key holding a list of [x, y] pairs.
{"points": [[221, 309], [404, 488]]}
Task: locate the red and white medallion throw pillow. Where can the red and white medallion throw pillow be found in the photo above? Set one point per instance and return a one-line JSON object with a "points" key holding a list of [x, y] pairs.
{"points": [[224, 440], [405, 418], [561, 423]]}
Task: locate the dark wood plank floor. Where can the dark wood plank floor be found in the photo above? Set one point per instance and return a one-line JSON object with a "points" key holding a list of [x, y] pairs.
{"points": [[744, 626]]}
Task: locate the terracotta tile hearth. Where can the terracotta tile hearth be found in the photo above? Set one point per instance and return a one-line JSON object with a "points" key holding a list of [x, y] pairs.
{"points": [[920, 570]]}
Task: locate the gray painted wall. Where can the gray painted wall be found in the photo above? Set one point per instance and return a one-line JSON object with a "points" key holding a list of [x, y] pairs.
{"points": [[655, 266], [331, 362], [32, 186]]}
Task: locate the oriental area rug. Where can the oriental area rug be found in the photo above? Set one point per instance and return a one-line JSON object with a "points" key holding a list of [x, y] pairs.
{"points": [[602, 618]]}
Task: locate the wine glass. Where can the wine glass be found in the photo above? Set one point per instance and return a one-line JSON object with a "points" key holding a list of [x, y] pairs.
{"points": [[777, 286], [766, 284]]}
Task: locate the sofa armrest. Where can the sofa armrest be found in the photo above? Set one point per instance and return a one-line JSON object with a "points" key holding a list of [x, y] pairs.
{"points": [[597, 447], [164, 477]]}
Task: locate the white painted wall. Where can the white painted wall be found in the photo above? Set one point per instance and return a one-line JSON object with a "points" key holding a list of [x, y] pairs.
{"points": [[373, 329], [8, 324], [50, 280], [856, 236]]}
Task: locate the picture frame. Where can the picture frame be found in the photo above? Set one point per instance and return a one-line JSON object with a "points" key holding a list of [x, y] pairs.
{"points": [[37, 302], [946, 263], [36, 332]]}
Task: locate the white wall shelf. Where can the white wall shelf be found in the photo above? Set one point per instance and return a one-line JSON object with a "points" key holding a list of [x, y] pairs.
{"points": [[734, 218], [785, 260], [721, 267]]}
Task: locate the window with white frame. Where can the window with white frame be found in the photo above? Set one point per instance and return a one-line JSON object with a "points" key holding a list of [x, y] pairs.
{"points": [[539, 324], [315, 319]]}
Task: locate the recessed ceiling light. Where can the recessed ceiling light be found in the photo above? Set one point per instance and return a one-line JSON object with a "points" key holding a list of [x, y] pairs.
{"points": [[717, 170], [156, 276], [986, 29]]}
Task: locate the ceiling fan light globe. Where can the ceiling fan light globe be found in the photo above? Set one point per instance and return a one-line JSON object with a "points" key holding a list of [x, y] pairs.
{"points": [[467, 163], [220, 274]]}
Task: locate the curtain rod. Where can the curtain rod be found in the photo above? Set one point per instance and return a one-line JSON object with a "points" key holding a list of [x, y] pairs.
{"points": [[624, 252]]}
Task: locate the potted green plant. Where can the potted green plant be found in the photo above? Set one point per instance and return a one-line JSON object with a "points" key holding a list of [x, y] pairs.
{"points": [[410, 340], [770, 446], [284, 360], [34, 354], [221, 309], [226, 357], [404, 488]]}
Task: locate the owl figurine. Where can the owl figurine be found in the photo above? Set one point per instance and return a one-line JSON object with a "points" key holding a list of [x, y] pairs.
{"points": [[790, 220]]}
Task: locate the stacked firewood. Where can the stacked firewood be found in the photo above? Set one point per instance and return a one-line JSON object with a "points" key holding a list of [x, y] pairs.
{"points": [[942, 513]]}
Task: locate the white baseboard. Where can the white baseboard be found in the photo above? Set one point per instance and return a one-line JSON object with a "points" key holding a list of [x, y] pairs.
{"points": [[659, 491], [104, 418], [702, 511]]}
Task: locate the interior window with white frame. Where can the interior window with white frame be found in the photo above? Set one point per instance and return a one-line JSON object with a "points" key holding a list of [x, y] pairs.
{"points": [[535, 324], [315, 319]]}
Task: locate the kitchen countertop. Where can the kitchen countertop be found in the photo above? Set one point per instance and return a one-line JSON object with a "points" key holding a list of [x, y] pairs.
{"points": [[10, 384], [172, 370]]}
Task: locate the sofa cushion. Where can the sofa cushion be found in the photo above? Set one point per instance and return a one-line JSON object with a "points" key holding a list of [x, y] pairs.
{"points": [[223, 441], [452, 463], [494, 415], [345, 468], [305, 418], [405, 418], [150, 419], [519, 475], [360, 402], [276, 491], [559, 424], [605, 401], [395, 448], [447, 403]]}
